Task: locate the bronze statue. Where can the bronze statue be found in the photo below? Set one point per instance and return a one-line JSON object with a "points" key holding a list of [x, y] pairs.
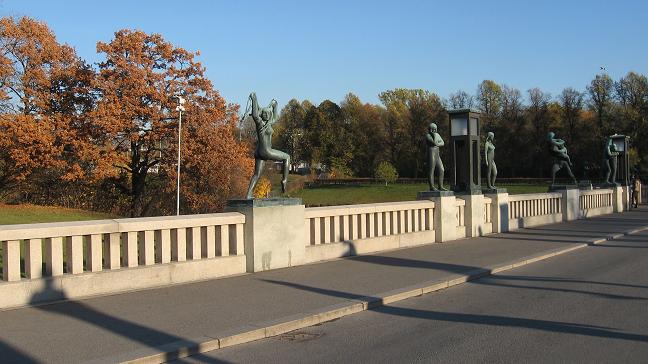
{"points": [[434, 141], [559, 156], [489, 153], [610, 162], [264, 118]]}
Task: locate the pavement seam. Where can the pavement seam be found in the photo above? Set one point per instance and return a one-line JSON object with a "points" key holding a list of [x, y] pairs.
{"points": [[286, 324]]}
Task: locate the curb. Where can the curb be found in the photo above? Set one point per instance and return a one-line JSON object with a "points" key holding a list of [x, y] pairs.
{"points": [[248, 333]]}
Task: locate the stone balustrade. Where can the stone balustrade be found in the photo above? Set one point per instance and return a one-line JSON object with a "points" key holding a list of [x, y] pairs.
{"points": [[44, 262], [596, 202], [527, 210], [337, 231], [107, 256]]}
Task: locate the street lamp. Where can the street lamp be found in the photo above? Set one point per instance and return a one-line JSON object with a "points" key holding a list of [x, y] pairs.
{"points": [[621, 143], [180, 108], [464, 138]]}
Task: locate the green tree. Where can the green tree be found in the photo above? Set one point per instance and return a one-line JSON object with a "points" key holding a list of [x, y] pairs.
{"points": [[290, 131], [489, 95], [386, 172], [409, 112], [632, 95], [367, 132], [601, 100]]}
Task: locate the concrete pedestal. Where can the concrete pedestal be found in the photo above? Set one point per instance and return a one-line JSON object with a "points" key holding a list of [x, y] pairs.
{"points": [[274, 232], [618, 199], [570, 204], [499, 210], [445, 210]]}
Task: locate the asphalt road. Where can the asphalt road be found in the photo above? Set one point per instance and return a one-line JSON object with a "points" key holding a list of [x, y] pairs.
{"points": [[590, 306]]}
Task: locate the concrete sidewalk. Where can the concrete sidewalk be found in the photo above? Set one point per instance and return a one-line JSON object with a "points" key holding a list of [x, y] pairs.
{"points": [[163, 323]]}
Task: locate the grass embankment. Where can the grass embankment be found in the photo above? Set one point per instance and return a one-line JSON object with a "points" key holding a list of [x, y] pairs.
{"points": [[29, 214], [360, 194]]}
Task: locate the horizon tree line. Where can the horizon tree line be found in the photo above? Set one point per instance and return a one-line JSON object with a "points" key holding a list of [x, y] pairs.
{"points": [[104, 136], [352, 138]]}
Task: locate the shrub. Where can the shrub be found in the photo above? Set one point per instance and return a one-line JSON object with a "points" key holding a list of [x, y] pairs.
{"points": [[386, 172], [263, 188]]}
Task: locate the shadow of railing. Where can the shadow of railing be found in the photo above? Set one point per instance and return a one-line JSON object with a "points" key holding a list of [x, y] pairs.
{"points": [[77, 310], [9, 354], [481, 319]]}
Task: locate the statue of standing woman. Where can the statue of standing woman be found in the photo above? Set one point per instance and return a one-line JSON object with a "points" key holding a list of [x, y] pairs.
{"points": [[489, 153], [434, 141], [264, 118], [610, 161]]}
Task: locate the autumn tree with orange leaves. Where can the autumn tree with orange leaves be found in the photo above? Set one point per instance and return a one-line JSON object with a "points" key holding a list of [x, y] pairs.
{"points": [[45, 94], [136, 113]]}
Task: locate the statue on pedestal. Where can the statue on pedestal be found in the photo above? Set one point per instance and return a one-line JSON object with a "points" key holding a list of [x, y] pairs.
{"points": [[489, 154], [434, 141], [559, 156], [264, 118], [610, 162]]}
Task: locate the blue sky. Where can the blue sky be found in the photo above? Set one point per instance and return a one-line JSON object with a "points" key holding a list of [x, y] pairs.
{"points": [[320, 50]]}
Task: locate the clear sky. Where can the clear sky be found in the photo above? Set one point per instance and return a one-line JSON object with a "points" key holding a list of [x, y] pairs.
{"points": [[320, 50]]}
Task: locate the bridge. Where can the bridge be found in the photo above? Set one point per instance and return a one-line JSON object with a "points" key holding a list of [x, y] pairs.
{"points": [[156, 289]]}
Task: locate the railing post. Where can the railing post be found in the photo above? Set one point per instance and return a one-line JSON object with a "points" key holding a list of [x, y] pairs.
{"points": [[11, 260], [94, 254], [111, 250], [74, 250], [54, 256], [33, 259]]}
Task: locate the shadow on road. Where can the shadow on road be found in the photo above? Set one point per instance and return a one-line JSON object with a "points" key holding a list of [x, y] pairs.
{"points": [[77, 310], [491, 320]]}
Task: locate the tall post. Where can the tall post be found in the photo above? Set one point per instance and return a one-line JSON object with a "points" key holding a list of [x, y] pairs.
{"points": [[178, 179], [180, 108]]}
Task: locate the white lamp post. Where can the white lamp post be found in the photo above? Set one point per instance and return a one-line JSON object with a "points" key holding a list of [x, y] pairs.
{"points": [[180, 108]]}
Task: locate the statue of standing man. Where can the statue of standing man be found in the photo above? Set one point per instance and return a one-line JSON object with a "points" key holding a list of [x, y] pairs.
{"points": [[434, 141], [264, 118], [559, 156], [610, 161]]}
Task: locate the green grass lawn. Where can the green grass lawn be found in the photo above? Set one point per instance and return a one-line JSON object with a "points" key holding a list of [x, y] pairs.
{"points": [[28, 214], [360, 194]]}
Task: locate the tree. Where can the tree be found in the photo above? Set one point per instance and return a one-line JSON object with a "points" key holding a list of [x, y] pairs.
{"points": [[632, 94], [488, 100], [290, 131], [386, 172], [512, 130], [571, 102], [215, 165], [600, 98], [409, 112], [367, 132], [460, 100], [44, 94], [540, 118], [136, 82]]}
